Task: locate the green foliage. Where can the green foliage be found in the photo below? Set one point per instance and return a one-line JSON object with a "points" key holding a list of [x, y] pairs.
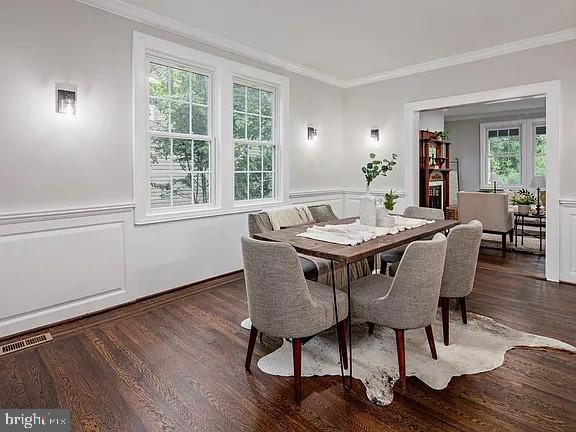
{"points": [[505, 158], [376, 167], [443, 135], [524, 197], [390, 199]]}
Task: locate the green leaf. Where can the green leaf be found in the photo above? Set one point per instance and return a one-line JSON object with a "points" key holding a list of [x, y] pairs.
{"points": [[372, 155]]}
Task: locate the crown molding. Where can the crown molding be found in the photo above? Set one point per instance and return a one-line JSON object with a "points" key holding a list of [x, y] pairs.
{"points": [[469, 57], [162, 22], [535, 112], [135, 13]]}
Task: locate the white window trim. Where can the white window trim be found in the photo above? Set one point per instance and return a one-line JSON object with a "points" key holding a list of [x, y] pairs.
{"points": [[527, 151], [223, 72]]}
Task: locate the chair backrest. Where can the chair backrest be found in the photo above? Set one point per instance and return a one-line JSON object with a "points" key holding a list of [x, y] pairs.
{"points": [[424, 213], [322, 213], [259, 223], [461, 259], [489, 208], [416, 286], [279, 301]]}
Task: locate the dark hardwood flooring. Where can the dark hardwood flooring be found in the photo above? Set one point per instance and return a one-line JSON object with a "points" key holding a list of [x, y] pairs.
{"points": [[176, 362]]}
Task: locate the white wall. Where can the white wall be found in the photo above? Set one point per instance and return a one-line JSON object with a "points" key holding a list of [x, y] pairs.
{"points": [[83, 166], [432, 120], [465, 138]]}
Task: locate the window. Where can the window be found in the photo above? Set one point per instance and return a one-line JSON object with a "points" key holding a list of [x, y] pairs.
{"points": [[179, 133], [254, 143], [540, 150], [504, 155], [515, 151], [209, 133]]}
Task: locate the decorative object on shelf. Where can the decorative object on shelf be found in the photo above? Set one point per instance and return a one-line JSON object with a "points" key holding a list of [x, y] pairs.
{"points": [[434, 170], [390, 199], [383, 219], [312, 133], [442, 135], [524, 199], [538, 182], [373, 169], [66, 99], [494, 178]]}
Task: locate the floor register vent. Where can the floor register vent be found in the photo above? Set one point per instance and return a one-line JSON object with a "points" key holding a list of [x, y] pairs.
{"points": [[24, 343]]}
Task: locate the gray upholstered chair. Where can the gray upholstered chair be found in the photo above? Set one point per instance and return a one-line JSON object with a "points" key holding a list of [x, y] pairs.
{"points": [[260, 222], [491, 209], [459, 270], [394, 255], [407, 301], [282, 303]]}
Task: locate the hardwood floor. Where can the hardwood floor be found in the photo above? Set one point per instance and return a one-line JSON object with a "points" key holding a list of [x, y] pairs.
{"points": [[176, 362]]}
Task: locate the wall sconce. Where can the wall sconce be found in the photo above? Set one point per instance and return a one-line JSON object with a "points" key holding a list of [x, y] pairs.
{"points": [[374, 135], [66, 99], [312, 133]]}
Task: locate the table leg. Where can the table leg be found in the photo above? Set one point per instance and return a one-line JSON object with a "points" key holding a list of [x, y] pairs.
{"points": [[516, 230], [540, 225], [337, 326], [349, 324], [522, 230]]}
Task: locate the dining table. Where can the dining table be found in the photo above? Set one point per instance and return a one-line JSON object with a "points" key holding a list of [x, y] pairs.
{"points": [[346, 255]]}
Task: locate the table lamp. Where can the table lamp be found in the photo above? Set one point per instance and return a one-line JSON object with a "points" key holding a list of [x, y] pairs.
{"points": [[538, 182], [494, 179]]}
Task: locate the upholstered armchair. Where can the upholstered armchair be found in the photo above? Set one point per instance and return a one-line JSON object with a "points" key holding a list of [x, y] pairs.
{"points": [[282, 303], [407, 301], [491, 209], [459, 270]]}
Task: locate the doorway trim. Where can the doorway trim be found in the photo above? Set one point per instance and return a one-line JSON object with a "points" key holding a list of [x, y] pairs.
{"points": [[551, 90]]}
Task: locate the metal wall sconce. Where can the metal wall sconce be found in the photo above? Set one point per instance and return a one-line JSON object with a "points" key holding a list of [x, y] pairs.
{"points": [[66, 99], [375, 135], [312, 133]]}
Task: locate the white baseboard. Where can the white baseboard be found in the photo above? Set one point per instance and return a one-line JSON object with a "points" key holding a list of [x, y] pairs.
{"points": [[568, 240]]}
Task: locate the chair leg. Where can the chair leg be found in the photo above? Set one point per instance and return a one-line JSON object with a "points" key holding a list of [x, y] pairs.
{"points": [[504, 244], [445, 305], [297, 359], [383, 267], [251, 343], [511, 235], [431, 342], [400, 350], [342, 325], [462, 302], [370, 328]]}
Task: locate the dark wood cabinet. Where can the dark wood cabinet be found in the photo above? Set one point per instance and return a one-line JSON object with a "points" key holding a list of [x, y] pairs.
{"points": [[434, 171]]}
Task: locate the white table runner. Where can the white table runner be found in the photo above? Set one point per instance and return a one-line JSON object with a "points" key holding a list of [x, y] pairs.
{"points": [[355, 233]]}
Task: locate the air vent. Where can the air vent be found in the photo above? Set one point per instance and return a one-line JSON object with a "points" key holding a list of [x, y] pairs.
{"points": [[24, 343]]}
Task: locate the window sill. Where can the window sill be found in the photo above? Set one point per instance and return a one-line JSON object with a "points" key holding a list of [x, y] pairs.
{"points": [[174, 216]]}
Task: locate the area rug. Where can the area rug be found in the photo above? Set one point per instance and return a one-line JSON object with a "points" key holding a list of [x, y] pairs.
{"points": [[531, 243], [476, 347]]}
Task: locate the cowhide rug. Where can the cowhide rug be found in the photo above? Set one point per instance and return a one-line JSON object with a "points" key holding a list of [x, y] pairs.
{"points": [[476, 347]]}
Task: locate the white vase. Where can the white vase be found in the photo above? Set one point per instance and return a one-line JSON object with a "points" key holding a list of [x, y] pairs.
{"points": [[524, 209], [368, 209], [383, 219]]}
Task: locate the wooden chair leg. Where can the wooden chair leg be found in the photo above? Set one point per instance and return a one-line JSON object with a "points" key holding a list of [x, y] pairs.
{"points": [[297, 359], [462, 302], [431, 342], [251, 343], [445, 305], [504, 244], [511, 235], [370, 328], [342, 326], [400, 350]]}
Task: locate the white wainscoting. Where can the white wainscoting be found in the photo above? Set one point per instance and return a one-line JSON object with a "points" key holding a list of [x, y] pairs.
{"points": [[58, 266], [568, 240]]}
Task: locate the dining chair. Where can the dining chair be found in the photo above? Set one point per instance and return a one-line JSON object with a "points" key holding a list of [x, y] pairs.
{"points": [[282, 303], [462, 249], [394, 255], [407, 301]]}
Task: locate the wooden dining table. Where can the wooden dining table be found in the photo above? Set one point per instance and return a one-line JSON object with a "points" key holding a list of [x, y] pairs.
{"points": [[346, 255]]}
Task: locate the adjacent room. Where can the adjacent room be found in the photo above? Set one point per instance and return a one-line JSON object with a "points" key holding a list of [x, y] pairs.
{"points": [[301, 216]]}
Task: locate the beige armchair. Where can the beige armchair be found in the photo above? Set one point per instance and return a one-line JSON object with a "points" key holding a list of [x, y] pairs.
{"points": [[491, 209]]}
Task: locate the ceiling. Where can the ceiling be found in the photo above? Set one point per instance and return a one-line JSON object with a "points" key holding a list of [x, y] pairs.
{"points": [[530, 105], [348, 40]]}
